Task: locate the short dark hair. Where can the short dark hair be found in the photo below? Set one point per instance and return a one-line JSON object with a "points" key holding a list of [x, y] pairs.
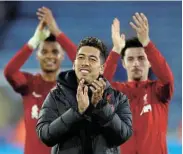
{"points": [[96, 43], [51, 38], [131, 43]]}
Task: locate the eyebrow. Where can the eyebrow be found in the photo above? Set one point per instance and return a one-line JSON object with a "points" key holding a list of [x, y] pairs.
{"points": [[92, 56]]}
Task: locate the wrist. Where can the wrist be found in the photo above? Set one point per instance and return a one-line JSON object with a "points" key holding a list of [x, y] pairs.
{"points": [[56, 32], [117, 50], [146, 42], [81, 110], [33, 43]]}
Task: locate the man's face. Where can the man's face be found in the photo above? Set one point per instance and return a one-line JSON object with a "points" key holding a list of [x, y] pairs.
{"points": [[136, 64], [88, 64], [50, 56]]}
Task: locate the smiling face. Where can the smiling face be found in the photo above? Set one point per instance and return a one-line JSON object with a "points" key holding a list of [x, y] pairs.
{"points": [[50, 55], [88, 64]]}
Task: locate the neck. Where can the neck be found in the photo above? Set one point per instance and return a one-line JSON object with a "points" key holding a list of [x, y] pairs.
{"points": [[50, 77], [133, 80]]}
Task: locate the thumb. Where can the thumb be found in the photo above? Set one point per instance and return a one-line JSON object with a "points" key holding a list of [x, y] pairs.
{"points": [[123, 36], [41, 25]]}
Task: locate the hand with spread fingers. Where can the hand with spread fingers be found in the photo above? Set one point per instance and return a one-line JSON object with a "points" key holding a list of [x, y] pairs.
{"points": [[97, 90], [141, 27], [46, 15], [117, 39], [82, 97]]}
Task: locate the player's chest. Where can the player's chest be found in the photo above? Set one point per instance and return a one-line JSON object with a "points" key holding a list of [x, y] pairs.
{"points": [[142, 101], [33, 102]]}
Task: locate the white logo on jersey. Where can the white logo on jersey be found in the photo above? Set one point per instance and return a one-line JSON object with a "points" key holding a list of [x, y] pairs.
{"points": [[35, 112], [36, 95], [146, 108], [145, 99]]}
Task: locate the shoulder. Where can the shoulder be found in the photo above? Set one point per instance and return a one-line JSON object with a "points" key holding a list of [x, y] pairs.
{"points": [[116, 96], [57, 92]]}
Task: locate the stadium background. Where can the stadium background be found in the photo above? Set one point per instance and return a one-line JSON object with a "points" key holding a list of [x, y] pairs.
{"points": [[80, 19]]}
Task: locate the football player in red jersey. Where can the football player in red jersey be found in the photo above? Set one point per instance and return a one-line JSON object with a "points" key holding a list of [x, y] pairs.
{"points": [[149, 100], [34, 88]]}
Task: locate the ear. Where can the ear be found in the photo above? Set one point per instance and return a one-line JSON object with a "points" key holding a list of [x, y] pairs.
{"points": [[73, 66], [62, 56], [149, 65], [101, 69], [123, 63]]}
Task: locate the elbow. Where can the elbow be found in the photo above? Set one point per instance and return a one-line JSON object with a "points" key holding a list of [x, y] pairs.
{"points": [[124, 136], [48, 143], [42, 132], [127, 135], [6, 72]]}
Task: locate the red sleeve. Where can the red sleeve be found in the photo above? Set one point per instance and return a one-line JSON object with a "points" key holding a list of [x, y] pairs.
{"points": [[164, 86], [67, 45], [110, 67], [18, 79]]}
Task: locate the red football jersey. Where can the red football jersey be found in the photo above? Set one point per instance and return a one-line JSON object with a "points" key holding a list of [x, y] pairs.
{"points": [[33, 90], [149, 102]]}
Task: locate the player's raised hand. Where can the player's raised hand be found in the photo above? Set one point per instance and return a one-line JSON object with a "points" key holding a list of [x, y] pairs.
{"points": [[141, 26], [46, 15], [117, 38], [41, 33]]}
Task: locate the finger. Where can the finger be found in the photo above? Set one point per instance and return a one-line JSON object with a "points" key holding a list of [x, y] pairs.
{"points": [[140, 21], [40, 18], [123, 36], [45, 9], [112, 29], [103, 83], [41, 25], [136, 21], [39, 14], [93, 89], [116, 25], [134, 27], [98, 88], [79, 90], [144, 19], [81, 82], [139, 18], [41, 10], [86, 90], [98, 83]]}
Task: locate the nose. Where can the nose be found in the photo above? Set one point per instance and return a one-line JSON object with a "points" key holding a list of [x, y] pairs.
{"points": [[136, 63], [86, 62], [50, 55]]}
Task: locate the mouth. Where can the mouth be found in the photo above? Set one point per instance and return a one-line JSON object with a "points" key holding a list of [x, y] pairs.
{"points": [[84, 71], [136, 70], [50, 62]]}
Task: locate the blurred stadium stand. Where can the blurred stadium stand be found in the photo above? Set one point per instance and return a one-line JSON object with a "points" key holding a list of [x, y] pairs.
{"points": [[80, 19]]}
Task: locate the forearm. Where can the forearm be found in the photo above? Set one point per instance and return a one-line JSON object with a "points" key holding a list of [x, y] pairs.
{"points": [[67, 45], [117, 131], [111, 65], [53, 132], [18, 60], [116, 121], [158, 63]]}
